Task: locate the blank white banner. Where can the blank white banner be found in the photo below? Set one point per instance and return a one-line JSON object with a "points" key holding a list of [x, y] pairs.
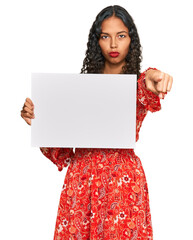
{"points": [[83, 110]]}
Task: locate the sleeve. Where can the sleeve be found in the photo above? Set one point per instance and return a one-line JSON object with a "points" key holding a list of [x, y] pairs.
{"points": [[147, 98], [61, 157]]}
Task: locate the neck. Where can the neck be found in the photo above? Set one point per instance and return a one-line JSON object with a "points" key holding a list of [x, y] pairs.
{"points": [[113, 68]]}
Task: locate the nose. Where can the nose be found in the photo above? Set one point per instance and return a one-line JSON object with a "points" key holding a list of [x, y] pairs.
{"points": [[113, 42]]}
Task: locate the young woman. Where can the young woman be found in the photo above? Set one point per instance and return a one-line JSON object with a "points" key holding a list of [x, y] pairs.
{"points": [[105, 193]]}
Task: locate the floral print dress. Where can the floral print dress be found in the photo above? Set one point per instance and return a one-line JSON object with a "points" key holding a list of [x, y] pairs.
{"points": [[105, 192]]}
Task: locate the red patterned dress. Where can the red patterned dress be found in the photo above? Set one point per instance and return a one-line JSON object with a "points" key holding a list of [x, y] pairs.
{"points": [[105, 193]]}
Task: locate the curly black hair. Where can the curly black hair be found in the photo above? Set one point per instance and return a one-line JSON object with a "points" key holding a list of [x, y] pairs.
{"points": [[94, 60]]}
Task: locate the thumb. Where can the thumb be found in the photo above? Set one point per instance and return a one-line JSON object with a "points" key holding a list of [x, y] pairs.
{"points": [[150, 85], [156, 76]]}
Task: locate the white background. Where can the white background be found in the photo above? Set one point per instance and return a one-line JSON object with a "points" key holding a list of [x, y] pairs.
{"points": [[51, 36]]}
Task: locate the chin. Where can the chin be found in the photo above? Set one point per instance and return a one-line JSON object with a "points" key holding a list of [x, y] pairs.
{"points": [[116, 61]]}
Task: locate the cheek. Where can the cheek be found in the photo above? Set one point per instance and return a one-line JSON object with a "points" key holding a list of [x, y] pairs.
{"points": [[103, 46], [126, 47]]}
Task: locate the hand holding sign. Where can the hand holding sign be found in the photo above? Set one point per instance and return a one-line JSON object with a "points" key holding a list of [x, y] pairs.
{"points": [[27, 112]]}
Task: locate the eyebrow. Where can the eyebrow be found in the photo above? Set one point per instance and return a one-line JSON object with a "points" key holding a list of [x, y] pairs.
{"points": [[117, 33]]}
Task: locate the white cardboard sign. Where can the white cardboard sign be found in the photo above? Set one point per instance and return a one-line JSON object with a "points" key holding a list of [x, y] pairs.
{"points": [[83, 110]]}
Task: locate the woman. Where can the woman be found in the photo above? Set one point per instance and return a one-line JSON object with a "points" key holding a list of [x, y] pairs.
{"points": [[105, 193]]}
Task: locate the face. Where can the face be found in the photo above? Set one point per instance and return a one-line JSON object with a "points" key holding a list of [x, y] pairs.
{"points": [[114, 40]]}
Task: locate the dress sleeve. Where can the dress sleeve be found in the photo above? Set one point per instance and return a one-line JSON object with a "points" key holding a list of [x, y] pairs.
{"points": [[61, 157], [149, 99]]}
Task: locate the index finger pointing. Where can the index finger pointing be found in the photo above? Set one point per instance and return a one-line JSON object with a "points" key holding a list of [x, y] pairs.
{"points": [[170, 83]]}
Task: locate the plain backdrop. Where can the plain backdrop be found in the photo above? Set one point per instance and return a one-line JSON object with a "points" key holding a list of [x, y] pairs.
{"points": [[51, 36]]}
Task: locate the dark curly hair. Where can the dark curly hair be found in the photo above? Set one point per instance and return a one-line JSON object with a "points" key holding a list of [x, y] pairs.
{"points": [[94, 60]]}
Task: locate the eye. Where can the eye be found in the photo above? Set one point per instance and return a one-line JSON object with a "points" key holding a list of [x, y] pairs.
{"points": [[104, 37], [122, 36]]}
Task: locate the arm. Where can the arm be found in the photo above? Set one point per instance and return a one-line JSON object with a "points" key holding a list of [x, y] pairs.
{"points": [[151, 86], [147, 98], [61, 157]]}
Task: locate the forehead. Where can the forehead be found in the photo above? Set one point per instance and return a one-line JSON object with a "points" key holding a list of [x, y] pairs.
{"points": [[113, 24]]}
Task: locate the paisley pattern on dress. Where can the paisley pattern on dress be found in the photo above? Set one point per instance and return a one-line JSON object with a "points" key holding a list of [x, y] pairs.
{"points": [[105, 192]]}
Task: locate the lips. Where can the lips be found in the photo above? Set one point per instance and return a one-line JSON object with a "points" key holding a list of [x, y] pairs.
{"points": [[114, 54]]}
